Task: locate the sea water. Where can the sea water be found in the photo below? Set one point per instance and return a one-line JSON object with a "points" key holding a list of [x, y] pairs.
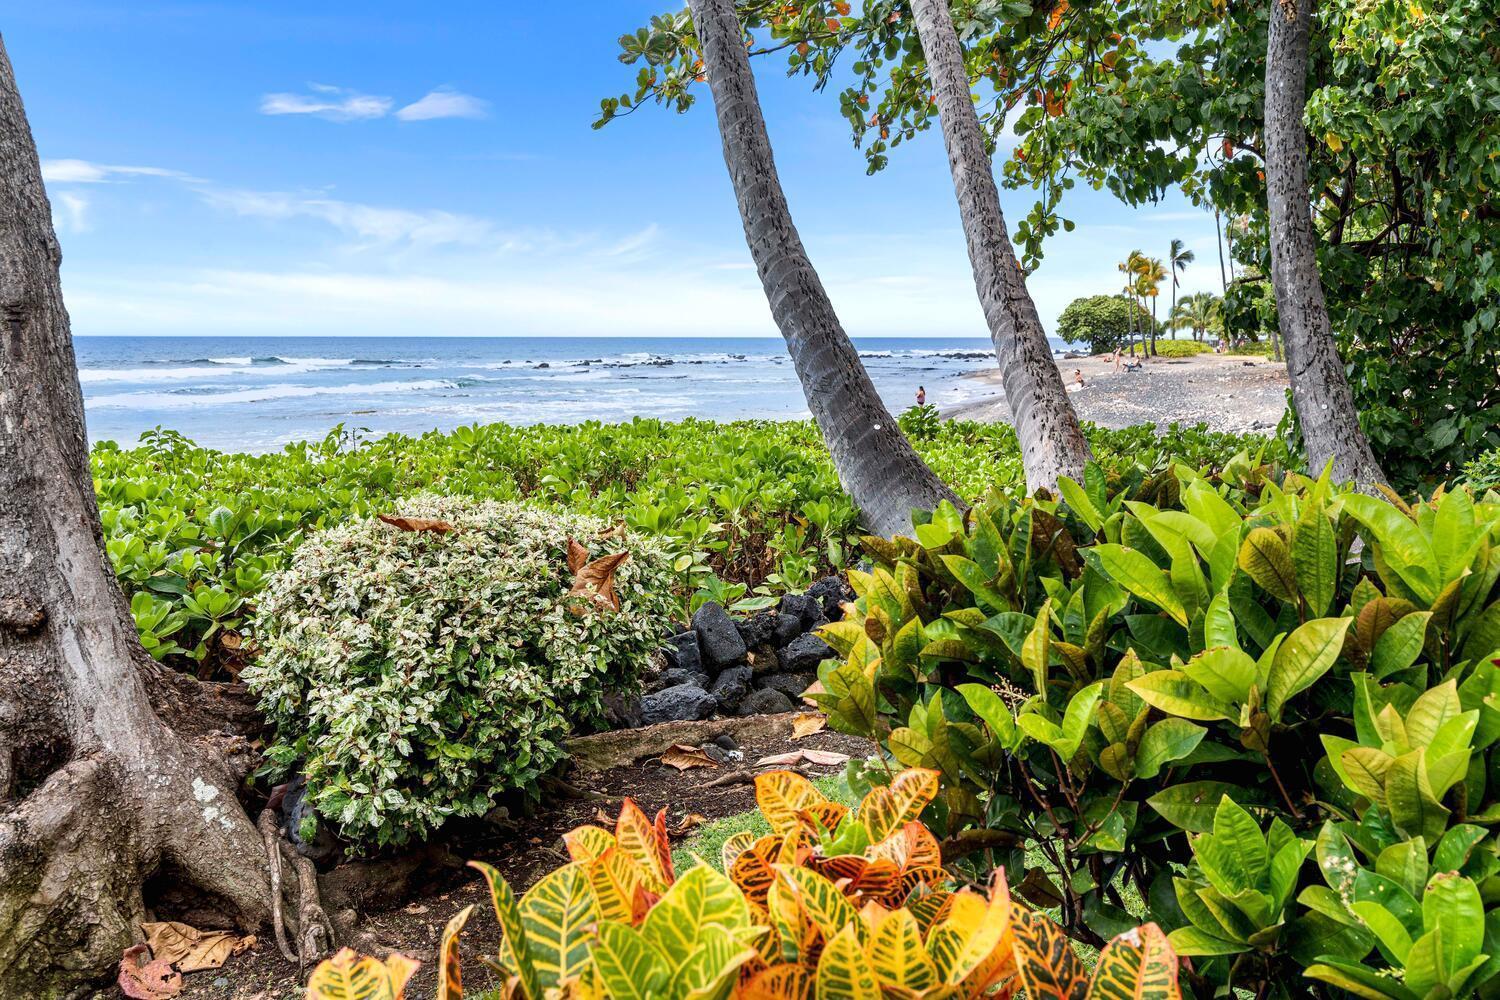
{"points": [[258, 393]]}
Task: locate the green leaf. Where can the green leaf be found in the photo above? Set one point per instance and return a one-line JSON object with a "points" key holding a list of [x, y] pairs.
{"points": [[1398, 647], [993, 711], [1225, 672], [1414, 808], [1175, 693], [1134, 570], [1401, 542], [1191, 805], [1315, 560], [1164, 742], [1305, 656]]}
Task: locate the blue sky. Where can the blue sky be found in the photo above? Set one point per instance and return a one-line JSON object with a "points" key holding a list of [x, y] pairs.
{"points": [[383, 168]]}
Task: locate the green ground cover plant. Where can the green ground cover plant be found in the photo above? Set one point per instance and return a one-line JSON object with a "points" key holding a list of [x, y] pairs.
{"points": [[195, 534], [1181, 348], [1251, 707]]}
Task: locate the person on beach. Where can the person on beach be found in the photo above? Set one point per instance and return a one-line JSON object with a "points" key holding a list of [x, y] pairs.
{"points": [[921, 395], [1078, 377], [1115, 358]]}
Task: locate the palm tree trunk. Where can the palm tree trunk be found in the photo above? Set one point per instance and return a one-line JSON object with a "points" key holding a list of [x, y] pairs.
{"points": [[1320, 388], [876, 463], [1219, 242], [98, 794], [1052, 442], [1153, 326]]}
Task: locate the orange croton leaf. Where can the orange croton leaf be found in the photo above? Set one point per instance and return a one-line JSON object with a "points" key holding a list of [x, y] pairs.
{"points": [[417, 523]]}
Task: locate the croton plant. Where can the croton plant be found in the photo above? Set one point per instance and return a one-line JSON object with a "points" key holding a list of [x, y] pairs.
{"points": [[832, 904]]}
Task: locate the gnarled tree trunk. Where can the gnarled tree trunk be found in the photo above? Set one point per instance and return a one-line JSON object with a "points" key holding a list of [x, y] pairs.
{"points": [[98, 794], [1320, 388], [1052, 442], [876, 463]]}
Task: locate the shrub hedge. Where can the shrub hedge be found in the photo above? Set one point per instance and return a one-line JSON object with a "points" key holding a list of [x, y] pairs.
{"points": [[1158, 655]]}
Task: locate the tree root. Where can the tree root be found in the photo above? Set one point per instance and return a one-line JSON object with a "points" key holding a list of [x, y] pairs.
{"points": [[314, 931]]}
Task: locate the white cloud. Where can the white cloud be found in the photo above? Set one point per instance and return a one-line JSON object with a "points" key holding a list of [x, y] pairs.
{"points": [[444, 103], [70, 213], [375, 225], [332, 103], [88, 172]]}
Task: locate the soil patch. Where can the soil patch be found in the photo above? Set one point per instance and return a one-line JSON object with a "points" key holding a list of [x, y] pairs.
{"points": [[524, 849]]}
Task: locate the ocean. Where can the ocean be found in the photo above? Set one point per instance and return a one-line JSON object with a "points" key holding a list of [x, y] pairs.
{"points": [[258, 393]]}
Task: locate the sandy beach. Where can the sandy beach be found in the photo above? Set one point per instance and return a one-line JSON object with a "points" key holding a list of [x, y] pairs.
{"points": [[1226, 392]]}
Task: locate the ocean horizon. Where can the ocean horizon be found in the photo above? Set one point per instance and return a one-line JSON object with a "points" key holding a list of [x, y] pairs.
{"points": [[257, 394]]}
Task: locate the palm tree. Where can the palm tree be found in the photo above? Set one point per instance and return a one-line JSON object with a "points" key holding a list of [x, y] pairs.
{"points": [[1130, 267], [876, 464], [1152, 273], [1199, 313], [1178, 258], [1052, 441], [1320, 387]]}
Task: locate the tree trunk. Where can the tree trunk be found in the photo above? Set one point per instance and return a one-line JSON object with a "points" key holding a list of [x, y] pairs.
{"points": [[1320, 389], [1153, 326], [97, 794], [876, 463], [1052, 442]]}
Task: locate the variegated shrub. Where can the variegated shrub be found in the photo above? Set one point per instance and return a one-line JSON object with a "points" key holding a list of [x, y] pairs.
{"points": [[418, 675]]}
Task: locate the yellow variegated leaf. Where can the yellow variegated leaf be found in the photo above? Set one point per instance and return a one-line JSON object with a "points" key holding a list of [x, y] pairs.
{"points": [[888, 808], [754, 870], [897, 955], [701, 900], [1137, 965], [585, 843], [512, 928], [796, 934], [713, 966], [970, 933], [619, 887], [843, 972], [779, 982], [1045, 960], [450, 966], [824, 904], [637, 837], [734, 845], [348, 976], [781, 796], [630, 967], [558, 914]]}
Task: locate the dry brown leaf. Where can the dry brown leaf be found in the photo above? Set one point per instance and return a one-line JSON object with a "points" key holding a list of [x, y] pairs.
{"points": [[417, 523], [578, 556], [595, 581], [688, 823], [816, 688], [823, 758], [683, 756], [190, 949], [141, 978], [603, 818], [807, 724]]}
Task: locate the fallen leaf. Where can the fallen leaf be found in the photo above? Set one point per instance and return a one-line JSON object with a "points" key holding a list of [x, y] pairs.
{"points": [[689, 822], [816, 688], [141, 978], [822, 758], [190, 949], [683, 756], [807, 724], [595, 580], [604, 818], [417, 523]]}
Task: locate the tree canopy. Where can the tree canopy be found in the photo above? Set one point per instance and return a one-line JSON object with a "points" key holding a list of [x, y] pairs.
{"points": [[1101, 321]]}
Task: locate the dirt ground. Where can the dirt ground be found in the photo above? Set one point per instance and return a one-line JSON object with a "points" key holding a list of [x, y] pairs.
{"points": [[1229, 393], [523, 850]]}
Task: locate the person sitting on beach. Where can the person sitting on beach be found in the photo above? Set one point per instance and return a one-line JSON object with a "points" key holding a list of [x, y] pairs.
{"points": [[1134, 365], [921, 395], [1078, 377]]}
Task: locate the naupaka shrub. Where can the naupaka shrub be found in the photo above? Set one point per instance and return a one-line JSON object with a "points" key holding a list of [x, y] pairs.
{"points": [[418, 675], [833, 904], [1258, 710]]}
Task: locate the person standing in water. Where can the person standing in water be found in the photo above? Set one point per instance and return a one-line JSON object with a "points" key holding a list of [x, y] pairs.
{"points": [[921, 395]]}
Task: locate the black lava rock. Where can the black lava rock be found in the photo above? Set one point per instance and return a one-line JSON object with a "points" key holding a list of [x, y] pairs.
{"points": [[684, 702], [763, 660], [802, 609], [682, 651], [718, 639], [788, 627], [623, 711], [804, 653], [730, 688], [758, 629], [674, 676], [765, 702], [298, 818], [791, 685], [831, 592], [725, 741]]}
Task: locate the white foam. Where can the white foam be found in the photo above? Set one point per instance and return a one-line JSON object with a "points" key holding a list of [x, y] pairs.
{"points": [[260, 394]]}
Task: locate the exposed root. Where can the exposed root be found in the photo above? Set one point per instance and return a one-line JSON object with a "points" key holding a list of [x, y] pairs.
{"points": [[271, 836], [314, 931]]}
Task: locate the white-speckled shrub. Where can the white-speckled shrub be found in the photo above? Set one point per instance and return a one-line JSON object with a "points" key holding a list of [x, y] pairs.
{"points": [[417, 676]]}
